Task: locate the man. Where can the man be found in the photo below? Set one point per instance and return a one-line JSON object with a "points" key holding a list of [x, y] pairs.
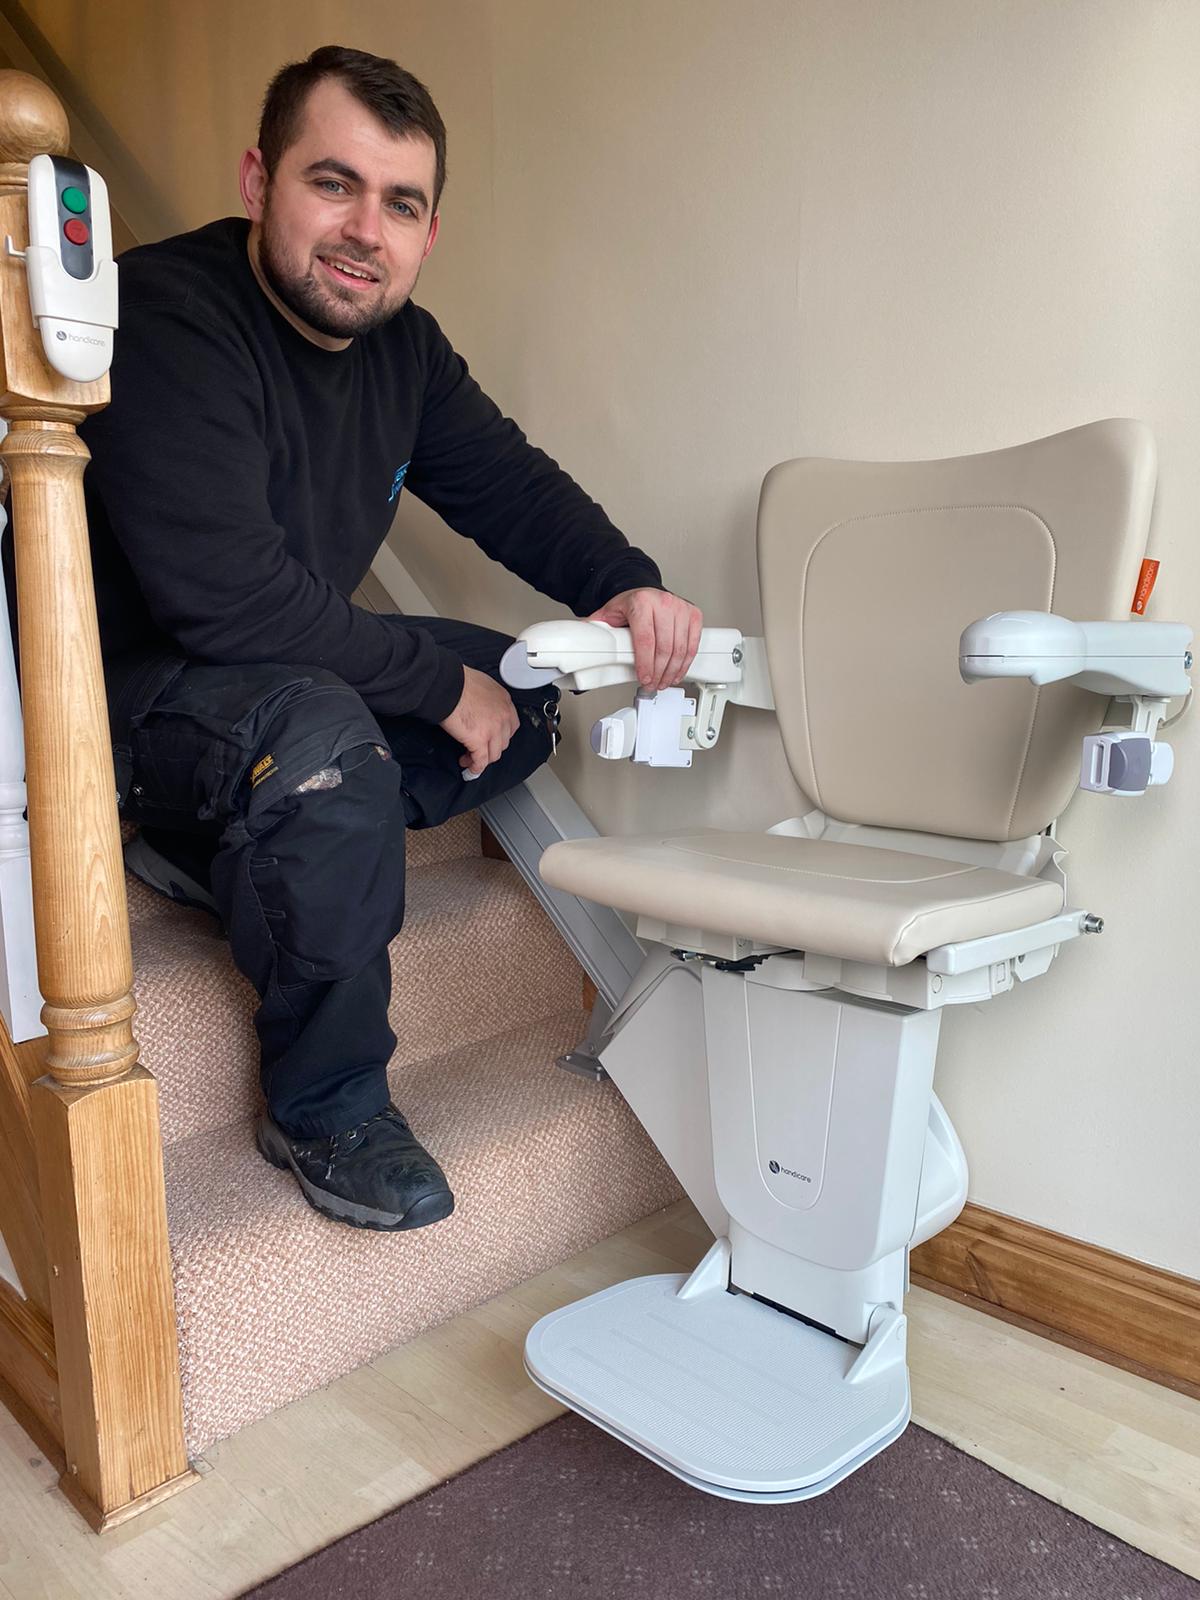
{"points": [[274, 389]]}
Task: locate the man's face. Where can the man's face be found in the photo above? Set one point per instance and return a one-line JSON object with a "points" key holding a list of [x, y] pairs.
{"points": [[346, 219]]}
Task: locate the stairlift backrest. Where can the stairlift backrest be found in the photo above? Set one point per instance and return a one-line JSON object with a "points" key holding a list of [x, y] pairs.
{"points": [[870, 571]]}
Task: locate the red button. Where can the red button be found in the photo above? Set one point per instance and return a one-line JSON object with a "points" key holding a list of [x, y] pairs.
{"points": [[76, 231]]}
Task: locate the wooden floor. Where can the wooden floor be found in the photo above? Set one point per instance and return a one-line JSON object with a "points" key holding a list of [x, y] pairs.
{"points": [[1112, 1447]]}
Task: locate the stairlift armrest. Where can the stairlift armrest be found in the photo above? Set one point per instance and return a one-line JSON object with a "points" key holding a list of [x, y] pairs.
{"points": [[590, 655], [1146, 663], [660, 729], [1139, 658]]}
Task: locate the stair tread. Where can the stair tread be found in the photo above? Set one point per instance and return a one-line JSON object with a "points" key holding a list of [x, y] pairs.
{"points": [[458, 837], [477, 953], [275, 1300]]}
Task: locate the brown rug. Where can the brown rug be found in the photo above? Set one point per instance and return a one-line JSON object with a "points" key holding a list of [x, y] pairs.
{"points": [[570, 1512]]}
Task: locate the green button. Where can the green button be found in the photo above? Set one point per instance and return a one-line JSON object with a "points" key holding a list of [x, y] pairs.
{"points": [[74, 199]]}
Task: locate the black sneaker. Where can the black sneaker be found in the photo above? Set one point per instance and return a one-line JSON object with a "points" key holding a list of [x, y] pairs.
{"points": [[374, 1176]]}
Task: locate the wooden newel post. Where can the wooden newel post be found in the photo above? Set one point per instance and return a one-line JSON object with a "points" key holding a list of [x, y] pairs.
{"points": [[95, 1114], [84, 963]]}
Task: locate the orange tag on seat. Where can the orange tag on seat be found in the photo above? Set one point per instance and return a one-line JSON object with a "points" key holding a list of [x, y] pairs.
{"points": [[1145, 587]]}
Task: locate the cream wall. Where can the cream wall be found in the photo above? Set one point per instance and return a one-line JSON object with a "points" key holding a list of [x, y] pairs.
{"points": [[684, 241]]}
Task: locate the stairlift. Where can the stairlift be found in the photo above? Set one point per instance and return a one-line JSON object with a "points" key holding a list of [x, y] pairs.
{"points": [[932, 690]]}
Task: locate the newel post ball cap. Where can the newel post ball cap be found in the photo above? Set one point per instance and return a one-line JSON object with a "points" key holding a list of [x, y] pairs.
{"points": [[32, 120]]}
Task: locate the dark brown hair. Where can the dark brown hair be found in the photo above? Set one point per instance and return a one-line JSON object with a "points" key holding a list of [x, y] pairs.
{"points": [[397, 98]]}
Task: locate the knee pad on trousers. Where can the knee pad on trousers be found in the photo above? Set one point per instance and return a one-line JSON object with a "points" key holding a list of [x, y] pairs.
{"points": [[311, 873], [298, 731], [326, 865]]}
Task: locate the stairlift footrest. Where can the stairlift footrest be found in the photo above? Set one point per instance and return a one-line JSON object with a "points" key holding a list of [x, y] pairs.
{"points": [[726, 1392]]}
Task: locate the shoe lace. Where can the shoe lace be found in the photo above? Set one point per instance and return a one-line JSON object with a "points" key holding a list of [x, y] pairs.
{"points": [[349, 1137]]}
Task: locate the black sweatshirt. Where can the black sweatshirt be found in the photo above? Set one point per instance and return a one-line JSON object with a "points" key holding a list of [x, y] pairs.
{"points": [[243, 479]]}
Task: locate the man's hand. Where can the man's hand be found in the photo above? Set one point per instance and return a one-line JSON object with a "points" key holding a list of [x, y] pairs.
{"points": [[665, 629], [483, 721]]}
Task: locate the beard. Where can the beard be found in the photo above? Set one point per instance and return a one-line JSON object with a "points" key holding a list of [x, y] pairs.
{"points": [[337, 313]]}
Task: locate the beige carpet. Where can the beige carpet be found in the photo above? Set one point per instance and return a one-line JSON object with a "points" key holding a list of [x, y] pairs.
{"points": [[273, 1300]]}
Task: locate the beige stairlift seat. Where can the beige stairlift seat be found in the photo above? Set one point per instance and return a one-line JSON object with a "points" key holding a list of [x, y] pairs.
{"points": [[859, 902], [869, 572]]}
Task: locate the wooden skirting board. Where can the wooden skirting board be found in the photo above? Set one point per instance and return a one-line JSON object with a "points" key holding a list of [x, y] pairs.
{"points": [[1122, 1311]]}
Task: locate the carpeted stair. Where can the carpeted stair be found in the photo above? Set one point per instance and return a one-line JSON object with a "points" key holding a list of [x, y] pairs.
{"points": [[273, 1300]]}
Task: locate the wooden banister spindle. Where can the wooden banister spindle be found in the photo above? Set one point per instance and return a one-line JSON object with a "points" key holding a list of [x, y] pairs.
{"points": [[95, 1114], [19, 998]]}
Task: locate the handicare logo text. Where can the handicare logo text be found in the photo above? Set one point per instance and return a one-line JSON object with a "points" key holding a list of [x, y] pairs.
{"points": [[788, 1172]]}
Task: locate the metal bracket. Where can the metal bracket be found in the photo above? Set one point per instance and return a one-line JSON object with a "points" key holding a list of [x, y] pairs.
{"points": [[702, 731], [584, 1063], [584, 1059]]}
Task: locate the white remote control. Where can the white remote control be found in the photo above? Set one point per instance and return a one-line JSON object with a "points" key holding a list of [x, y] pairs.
{"points": [[72, 275]]}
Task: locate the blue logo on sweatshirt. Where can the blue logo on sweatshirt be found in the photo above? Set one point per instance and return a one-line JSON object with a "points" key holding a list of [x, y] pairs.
{"points": [[398, 482]]}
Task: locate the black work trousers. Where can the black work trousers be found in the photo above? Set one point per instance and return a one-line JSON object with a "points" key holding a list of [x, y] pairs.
{"points": [[304, 796]]}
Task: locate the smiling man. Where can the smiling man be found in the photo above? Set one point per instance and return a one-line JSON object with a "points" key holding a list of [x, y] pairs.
{"points": [[342, 280], [273, 392]]}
